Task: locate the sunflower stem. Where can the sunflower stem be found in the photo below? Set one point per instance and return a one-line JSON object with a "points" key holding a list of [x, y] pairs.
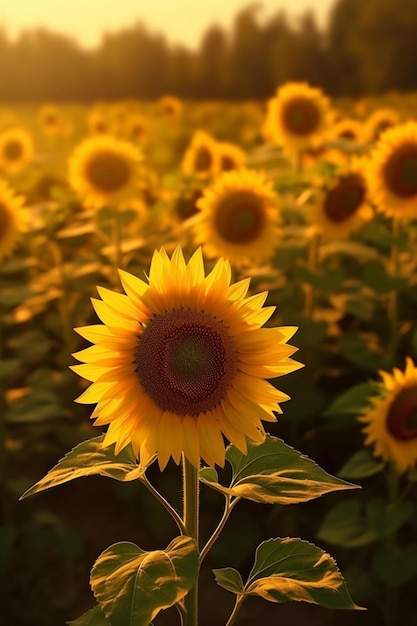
{"points": [[392, 304], [177, 519], [191, 523], [312, 262], [4, 500], [391, 595], [64, 300], [238, 604], [228, 508]]}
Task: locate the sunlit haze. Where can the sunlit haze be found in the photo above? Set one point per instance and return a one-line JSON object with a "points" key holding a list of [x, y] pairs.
{"points": [[181, 21]]}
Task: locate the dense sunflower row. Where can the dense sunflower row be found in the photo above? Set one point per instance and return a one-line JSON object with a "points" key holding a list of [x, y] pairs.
{"points": [[157, 179]]}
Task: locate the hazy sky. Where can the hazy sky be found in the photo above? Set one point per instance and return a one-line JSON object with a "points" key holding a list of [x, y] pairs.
{"points": [[180, 20]]}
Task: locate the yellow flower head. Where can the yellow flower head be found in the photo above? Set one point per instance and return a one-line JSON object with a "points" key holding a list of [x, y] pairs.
{"points": [[390, 420], [347, 129], [12, 219], [170, 106], [298, 116], [239, 218], [181, 361], [104, 170], [16, 150], [202, 157], [379, 121], [342, 207], [50, 119], [393, 172], [231, 156]]}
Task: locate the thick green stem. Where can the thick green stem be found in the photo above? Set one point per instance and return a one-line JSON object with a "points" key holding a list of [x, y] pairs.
{"points": [[191, 523], [64, 301], [392, 304]]}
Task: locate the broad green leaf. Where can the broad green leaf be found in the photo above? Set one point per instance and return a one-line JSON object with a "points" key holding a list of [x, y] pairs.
{"points": [[229, 579], [89, 458], [395, 568], [384, 519], [361, 465], [38, 405], [353, 401], [376, 277], [93, 617], [292, 569], [273, 472], [132, 585], [345, 525], [356, 349], [9, 367]]}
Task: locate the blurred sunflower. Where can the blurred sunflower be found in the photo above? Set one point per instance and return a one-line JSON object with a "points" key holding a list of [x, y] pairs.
{"points": [[343, 206], [136, 128], [99, 121], [16, 149], [181, 361], [298, 116], [392, 172], [379, 121], [347, 129], [231, 156], [239, 218], [12, 219], [391, 418], [202, 157], [50, 119], [104, 170], [170, 106]]}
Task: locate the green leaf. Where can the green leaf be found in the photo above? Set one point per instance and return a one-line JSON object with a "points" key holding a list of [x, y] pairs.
{"points": [[376, 277], [9, 367], [229, 579], [385, 520], [345, 525], [93, 617], [357, 350], [89, 458], [132, 586], [292, 569], [396, 567], [353, 401], [273, 472], [361, 465]]}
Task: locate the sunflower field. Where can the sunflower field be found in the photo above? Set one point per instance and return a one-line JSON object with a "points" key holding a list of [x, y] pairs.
{"points": [[167, 233]]}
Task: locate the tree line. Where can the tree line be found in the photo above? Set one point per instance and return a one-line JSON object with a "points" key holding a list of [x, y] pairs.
{"points": [[366, 47]]}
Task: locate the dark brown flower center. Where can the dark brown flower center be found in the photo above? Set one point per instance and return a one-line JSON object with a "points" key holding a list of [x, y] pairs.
{"points": [[186, 205], [13, 150], [402, 415], [227, 163], [381, 127], [108, 172], [4, 220], [203, 159], [185, 361], [301, 116], [240, 218], [50, 119], [400, 170], [344, 200], [347, 134]]}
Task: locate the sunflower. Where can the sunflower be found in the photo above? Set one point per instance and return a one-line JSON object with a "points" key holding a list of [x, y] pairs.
{"points": [[50, 119], [298, 116], [342, 207], [98, 121], [231, 156], [202, 157], [137, 128], [379, 121], [170, 106], [16, 149], [12, 219], [239, 218], [181, 360], [392, 171], [391, 418], [104, 170], [347, 129]]}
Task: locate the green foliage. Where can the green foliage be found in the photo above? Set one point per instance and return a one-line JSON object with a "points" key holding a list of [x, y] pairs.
{"points": [[345, 525], [132, 585], [361, 465], [87, 459], [291, 569], [273, 472], [93, 617]]}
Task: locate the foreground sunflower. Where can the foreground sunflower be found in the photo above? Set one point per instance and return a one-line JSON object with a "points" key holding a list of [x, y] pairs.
{"points": [[298, 116], [391, 424], [12, 219], [343, 206], [104, 170], [393, 172], [16, 149], [181, 361], [239, 218]]}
